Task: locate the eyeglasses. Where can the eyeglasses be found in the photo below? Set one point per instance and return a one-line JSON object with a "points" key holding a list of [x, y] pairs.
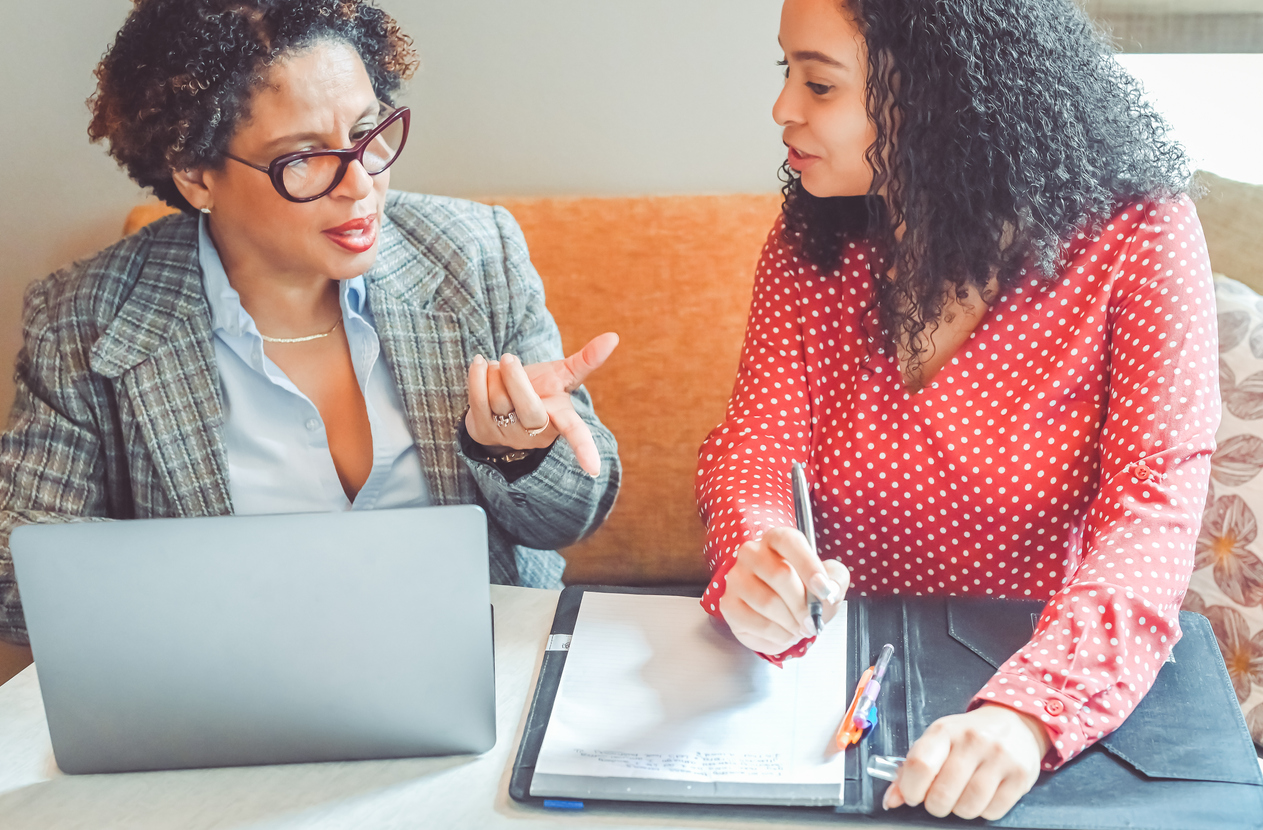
{"points": [[313, 174]]}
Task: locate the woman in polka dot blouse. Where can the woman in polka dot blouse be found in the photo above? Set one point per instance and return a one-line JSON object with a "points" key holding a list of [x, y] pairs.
{"points": [[985, 324]]}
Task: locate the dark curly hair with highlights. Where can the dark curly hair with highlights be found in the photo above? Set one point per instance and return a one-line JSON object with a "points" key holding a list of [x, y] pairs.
{"points": [[1004, 128], [178, 78]]}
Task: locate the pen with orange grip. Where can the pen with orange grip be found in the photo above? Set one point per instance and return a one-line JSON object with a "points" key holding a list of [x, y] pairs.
{"points": [[862, 715], [847, 733]]}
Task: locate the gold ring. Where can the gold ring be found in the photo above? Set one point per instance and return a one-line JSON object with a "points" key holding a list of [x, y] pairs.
{"points": [[533, 432]]}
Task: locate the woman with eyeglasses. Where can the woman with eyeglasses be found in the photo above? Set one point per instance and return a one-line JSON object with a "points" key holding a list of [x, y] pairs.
{"points": [[299, 338]]}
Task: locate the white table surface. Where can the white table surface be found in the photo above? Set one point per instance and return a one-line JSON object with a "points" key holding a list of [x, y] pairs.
{"points": [[457, 792]]}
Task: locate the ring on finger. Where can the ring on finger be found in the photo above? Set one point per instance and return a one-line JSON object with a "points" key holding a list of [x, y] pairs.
{"points": [[504, 421], [533, 432]]}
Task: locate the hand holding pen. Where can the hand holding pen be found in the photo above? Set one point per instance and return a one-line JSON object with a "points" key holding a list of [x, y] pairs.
{"points": [[767, 598]]}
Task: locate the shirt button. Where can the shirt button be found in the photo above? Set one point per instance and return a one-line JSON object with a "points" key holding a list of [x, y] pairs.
{"points": [[1143, 472], [312, 424], [1054, 707]]}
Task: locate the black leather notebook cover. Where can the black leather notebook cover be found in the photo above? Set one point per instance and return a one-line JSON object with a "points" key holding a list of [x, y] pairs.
{"points": [[1183, 760]]}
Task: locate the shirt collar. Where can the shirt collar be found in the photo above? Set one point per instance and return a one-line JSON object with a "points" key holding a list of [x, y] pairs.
{"points": [[227, 314], [353, 294]]}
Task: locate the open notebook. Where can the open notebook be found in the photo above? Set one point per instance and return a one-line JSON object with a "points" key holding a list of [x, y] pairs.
{"points": [[658, 702]]}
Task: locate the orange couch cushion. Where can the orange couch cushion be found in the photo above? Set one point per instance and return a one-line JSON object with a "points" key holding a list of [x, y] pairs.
{"points": [[672, 275]]}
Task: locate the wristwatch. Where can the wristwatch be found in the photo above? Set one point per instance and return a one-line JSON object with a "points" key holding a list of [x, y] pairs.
{"points": [[510, 456], [512, 464]]}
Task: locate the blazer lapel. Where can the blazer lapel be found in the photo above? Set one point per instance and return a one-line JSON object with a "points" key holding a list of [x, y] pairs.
{"points": [[159, 351], [425, 348]]}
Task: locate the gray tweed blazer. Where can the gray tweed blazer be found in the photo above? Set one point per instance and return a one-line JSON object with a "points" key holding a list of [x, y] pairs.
{"points": [[118, 412]]}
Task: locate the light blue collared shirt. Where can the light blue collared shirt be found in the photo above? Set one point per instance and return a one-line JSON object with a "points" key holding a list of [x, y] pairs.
{"points": [[278, 450]]}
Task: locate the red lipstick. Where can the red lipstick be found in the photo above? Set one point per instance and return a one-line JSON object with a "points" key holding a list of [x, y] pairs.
{"points": [[356, 236]]}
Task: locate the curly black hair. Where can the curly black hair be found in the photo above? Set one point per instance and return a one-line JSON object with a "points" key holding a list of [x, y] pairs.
{"points": [[178, 78], [1004, 128]]}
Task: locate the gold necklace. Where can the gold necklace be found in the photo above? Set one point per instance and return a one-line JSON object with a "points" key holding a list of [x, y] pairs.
{"points": [[302, 339]]}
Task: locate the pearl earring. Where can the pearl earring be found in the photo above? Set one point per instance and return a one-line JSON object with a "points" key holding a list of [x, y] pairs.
{"points": [[205, 210]]}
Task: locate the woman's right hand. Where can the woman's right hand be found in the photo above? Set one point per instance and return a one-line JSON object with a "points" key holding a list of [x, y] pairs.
{"points": [[765, 599], [535, 394]]}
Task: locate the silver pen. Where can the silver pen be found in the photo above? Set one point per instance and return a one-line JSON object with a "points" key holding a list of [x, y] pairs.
{"points": [[806, 526]]}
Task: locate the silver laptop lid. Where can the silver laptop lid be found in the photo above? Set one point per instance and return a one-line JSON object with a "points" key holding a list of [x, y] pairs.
{"points": [[175, 643]]}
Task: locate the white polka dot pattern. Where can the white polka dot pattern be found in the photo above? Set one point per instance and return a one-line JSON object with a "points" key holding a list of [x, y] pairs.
{"points": [[1062, 454]]}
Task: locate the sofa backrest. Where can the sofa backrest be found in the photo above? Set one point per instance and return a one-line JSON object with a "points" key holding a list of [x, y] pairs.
{"points": [[672, 275], [1230, 212]]}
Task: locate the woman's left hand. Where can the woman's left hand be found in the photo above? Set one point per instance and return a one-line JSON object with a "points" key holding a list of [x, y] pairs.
{"points": [[536, 399], [974, 764]]}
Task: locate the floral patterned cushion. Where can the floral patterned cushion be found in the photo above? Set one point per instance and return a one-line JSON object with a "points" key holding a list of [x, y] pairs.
{"points": [[1227, 583]]}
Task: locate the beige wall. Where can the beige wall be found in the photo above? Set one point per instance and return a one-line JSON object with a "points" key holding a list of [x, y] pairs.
{"points": [[61, 198], [517, 97]]}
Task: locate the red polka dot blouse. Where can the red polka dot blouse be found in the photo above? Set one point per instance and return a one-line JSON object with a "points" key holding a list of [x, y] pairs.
{"points": [[1062, 454]]}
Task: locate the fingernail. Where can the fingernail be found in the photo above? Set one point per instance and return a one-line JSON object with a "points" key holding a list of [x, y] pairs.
{"points": [[479, 359], [507, 358], [808, 629], [885, 800], [825, 588]]}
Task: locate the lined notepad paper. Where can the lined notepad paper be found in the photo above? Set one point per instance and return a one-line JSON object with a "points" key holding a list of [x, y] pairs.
{"points": [[658, 701]]}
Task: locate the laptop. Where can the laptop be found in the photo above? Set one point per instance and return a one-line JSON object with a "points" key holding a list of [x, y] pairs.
{"points": [[182, 643]]}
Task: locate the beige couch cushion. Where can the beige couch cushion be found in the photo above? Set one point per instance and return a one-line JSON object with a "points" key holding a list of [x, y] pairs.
{"points": [[1232, 216]]}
